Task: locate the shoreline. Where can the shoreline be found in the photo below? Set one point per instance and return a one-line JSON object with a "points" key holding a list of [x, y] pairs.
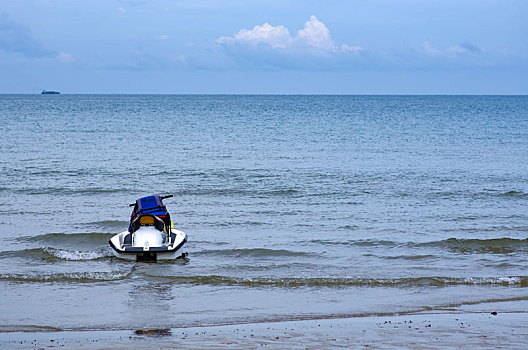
{"points": [[420, 330]]}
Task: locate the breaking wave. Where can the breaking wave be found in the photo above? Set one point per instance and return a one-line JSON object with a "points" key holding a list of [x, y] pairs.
{"points": [[77, 255], [518, 281], [78, 277], [48, 254]]}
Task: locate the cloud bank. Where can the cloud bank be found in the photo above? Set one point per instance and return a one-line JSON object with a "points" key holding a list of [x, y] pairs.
{"points": [[17, 38], [465, 48], [314, 35], [276, 47]]}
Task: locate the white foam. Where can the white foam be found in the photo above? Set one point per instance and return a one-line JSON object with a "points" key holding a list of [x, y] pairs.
{"points": [[77, 255], [510, 280]]}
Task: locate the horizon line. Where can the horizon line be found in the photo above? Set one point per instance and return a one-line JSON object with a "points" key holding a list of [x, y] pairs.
{"points": [[272, 94]]}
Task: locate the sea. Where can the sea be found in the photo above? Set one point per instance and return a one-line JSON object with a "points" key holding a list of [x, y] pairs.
{"points": [[296, 207]]}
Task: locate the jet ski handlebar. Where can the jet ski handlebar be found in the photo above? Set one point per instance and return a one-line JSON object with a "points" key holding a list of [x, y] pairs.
{"points": [[161, 197]]}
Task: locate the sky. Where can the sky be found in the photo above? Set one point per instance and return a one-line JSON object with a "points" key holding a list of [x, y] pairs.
{"points": [[264, 46]]}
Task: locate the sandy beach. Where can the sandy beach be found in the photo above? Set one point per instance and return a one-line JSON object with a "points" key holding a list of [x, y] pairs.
{"points": [[444, 330]]}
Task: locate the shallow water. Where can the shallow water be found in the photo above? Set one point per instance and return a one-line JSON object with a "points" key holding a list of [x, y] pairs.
{"points": [[296, 207]]}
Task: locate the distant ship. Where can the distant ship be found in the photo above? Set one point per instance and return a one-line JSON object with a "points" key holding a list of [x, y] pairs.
{"points": [[49, 92]]}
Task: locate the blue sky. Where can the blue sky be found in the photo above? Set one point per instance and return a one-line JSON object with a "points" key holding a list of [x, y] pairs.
{"points": [[245, 46]]}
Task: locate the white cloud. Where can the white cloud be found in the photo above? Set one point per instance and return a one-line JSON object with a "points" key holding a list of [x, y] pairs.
{"points": [[429, 49], [276, 37], [315, 34], [163, 37], [347, 48], [65, 57], [455, 50], [451, 51]]}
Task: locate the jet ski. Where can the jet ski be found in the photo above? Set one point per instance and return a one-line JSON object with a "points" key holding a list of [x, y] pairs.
{"points": [[150, 235]]}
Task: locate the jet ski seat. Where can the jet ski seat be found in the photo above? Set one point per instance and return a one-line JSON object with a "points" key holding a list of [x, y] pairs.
{"points": [[148, 220]]}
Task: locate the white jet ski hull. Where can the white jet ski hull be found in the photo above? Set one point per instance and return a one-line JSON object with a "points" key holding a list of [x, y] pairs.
{"points": [[148, 243]]}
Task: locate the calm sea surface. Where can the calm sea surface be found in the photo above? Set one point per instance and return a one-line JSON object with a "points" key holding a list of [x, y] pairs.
{"points": [[296, 207]]}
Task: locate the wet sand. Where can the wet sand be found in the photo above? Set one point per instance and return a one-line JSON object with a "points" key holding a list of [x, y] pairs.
{"points": [[417, 331]]}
